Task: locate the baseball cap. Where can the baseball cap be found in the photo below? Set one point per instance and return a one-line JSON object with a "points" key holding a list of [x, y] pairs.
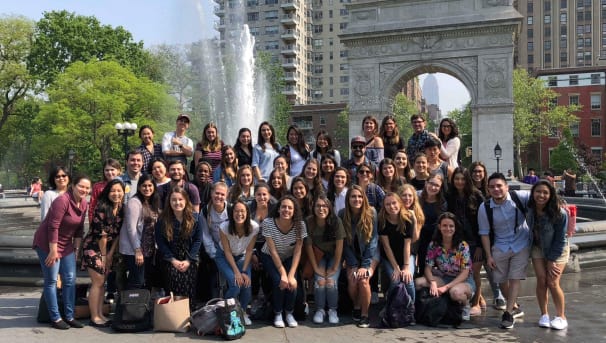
{"points": [[358, 139], [184, 116]]}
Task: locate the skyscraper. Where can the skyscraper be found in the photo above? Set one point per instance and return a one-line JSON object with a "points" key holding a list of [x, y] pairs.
{"points": [[430, 90]]}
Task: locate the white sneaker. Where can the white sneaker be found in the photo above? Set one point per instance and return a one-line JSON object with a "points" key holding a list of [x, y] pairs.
{"points": [[290, 320], [247, 320], [559, 323], [466, 312], [544, 321], [278, 321], [333, 317], [319, 317], [374, 298]]}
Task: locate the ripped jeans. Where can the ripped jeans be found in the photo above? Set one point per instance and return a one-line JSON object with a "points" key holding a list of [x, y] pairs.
{"points": [[327, 293]]}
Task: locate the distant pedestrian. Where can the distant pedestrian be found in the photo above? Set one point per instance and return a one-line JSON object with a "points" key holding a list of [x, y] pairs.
{"points": [[35, 190], [58, 180], [531, 178], [570, 182]]}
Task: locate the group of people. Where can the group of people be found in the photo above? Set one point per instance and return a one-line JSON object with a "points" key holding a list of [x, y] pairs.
{"points": [[268, 217]]}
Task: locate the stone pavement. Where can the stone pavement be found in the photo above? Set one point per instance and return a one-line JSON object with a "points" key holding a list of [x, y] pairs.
{"points": [[585, 298]]}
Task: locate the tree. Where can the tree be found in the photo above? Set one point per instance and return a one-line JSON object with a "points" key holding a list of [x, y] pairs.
{"points": [[462, 117], [279, 106], [87, 100], [62, 38], [341, 134], [15, 81], [535, 114], [403, 109], [563, 156]]}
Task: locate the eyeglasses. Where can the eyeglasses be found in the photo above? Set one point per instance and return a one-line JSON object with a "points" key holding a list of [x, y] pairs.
{"points": [[60, 176], [367, 172], [417, 121], [433, 184], [321, 206], [357, 147]]}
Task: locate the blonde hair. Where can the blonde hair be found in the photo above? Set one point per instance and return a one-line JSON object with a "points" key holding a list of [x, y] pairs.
{"points": [[404, 215], [416, 207], [365, 223]]}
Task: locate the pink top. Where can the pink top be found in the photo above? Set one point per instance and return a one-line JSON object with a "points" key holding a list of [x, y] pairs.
{"points": [[63, 223]]}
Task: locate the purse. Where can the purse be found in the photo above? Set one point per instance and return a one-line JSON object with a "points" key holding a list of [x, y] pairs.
{"points": [[171, 314], [205, 320], [308, 270]]}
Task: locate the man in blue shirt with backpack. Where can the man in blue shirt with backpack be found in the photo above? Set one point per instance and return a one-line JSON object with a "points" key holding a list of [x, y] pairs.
{"points": [[506, 241]]}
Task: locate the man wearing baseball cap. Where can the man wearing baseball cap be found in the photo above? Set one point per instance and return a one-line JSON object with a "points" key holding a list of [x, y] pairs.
{"points": [[175, 145], [358, 157]]}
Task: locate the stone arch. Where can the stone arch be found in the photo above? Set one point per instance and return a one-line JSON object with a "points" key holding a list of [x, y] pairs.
{"points": [[472, 40]]}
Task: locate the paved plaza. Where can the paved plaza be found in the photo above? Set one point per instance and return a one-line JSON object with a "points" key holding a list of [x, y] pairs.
{"points": [[585, 298]]}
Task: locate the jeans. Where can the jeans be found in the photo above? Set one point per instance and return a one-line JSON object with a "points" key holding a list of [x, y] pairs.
{"points": [[283, 299], [410, 287], [136, 274], [243, 294], [66, 266], [327, 294]]}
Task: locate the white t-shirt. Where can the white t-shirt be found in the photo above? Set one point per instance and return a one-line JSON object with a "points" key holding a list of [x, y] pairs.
{"points": [[237, 244]]}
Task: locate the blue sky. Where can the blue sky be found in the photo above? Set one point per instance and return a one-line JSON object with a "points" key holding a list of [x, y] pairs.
{"points": [[177, 22], [152, 21]]}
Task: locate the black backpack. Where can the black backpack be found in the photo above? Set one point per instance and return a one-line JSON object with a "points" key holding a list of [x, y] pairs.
{"points": [[399, 309], [489, 216], [133, 311], [231, 320], [433, 311]]}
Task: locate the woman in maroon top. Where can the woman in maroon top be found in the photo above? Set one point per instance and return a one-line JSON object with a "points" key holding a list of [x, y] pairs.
{"points": [[209, 148], [56, 242]]}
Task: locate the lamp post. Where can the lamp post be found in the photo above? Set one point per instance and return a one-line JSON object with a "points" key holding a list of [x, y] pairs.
{"points": [[70, 155], [498, 153], [125, 130]]}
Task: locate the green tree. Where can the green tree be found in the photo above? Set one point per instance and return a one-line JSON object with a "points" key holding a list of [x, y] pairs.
{"points": [[279, 106], [535, 114], [403, 109], [462, 117], [62, 38], [87, 100], [341, 134], [15, 81], [563, 156]]}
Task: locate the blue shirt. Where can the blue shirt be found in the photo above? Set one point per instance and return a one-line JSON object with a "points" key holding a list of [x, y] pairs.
{"points": [[264, 160], [506, 235]]}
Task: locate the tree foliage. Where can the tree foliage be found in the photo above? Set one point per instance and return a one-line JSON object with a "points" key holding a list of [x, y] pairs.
{"points": [[15, 81], [403, 109], [341, 134], [62, 38], [563, 155], [87, 100], [279, 107], [535, 114]]}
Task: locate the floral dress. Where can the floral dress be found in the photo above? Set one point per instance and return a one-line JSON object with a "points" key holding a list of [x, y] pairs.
{"points": [[101, 226]]}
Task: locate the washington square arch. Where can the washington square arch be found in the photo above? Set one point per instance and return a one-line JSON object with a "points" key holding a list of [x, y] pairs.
{"points": [[391, 41]]}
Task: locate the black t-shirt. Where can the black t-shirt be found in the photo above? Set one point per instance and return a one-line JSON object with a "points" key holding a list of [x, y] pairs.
{"points": [[396, 240]]}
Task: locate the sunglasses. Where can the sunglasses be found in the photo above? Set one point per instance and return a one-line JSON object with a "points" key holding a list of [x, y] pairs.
{"points": [[357, 147], [367, 172], [60, 176]]}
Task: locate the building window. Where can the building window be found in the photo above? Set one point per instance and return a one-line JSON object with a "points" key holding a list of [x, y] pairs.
{"points": [[595, 79], [547, 5], [530, 59], [573, 80], [547, 58], [253, 16], [553, 132], [588, 28], [563, 57], [322, 121], [251, 3], [573, 99], [588, 42], [530, 46], [563, 4], [563, 30], [344, 91], [269, 15], [547, 45], [574, 129], [271, 30], [272, 45], [271, 2], [344, 79], [563, 18], [596, 127], [552, 81], [343, 12], [580, 42], [597, 154], [343, 26], [580, 29], [596, 101], [529, 7], [547, 19], [317, 43], [530, 33], [529, 20], [318, 28], [344, 66], [563, 42], [343, 53]]}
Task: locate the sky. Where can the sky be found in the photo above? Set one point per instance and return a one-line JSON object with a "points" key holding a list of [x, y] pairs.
{"points": [[178, 22]]}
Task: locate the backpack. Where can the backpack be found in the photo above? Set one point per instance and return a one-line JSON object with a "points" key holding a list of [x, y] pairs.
{"points": [[489, 216], [133, 311], [231, 320], [400, 309], [205, 320], [433, 311]]}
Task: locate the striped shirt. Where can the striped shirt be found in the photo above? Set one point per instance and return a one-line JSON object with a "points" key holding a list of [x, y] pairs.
{"points": [[284, 242]]}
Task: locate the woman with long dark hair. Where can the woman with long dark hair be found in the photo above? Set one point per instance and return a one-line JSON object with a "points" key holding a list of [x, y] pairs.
{"points": [[265, 151], [56, 243], [449, 135], [448, 263], [284, 232], [550, 250], [361, 251], [233, 259], [387, 178], [403, 168], [244, 188], [100, 244], [277, 184], [58, 180], [300, 191], [327, 168], [337, 188], [324, 147], [244, 147], [227, 170], [433, 203], [479, 176], [209, 149], [464, 200], [296, 150], [325, 234], [111, 170], [261, 208], [179, 237], [390, 133], [137, 240], [311, 175]]}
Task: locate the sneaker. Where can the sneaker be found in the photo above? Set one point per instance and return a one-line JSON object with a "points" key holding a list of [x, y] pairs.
{"points": [[466, 312], [559, 323], [364, 322], [290, 320], [374, 298], [247, 320], [499, 304], [356, 315], [278, 321], [544, 321], [333, 317], [60, 325], [517, 312], [507, 321], [319, 317]]}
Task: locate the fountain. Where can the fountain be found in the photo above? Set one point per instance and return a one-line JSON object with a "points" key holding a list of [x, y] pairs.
{"points": [[237, 93]]}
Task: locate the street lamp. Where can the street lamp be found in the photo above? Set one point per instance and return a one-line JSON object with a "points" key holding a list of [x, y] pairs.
{"points": [[70, 155], [498, 153], [125, 130]]}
